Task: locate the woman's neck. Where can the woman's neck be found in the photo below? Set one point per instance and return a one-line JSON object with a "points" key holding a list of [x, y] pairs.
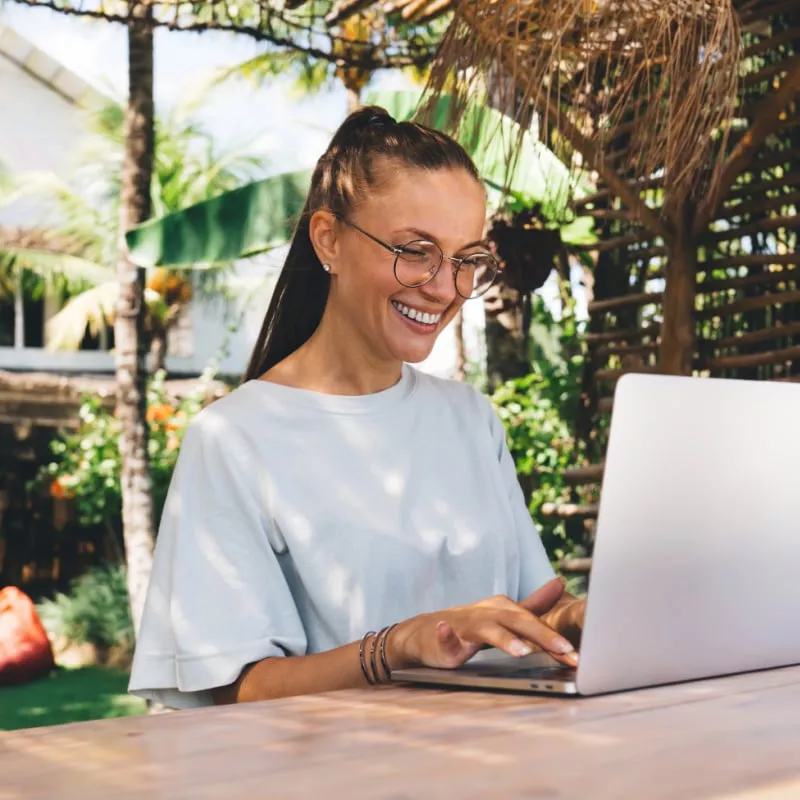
{"points": [[336, 360]]}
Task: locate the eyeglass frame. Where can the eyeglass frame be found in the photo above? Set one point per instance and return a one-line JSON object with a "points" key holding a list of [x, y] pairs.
{"points": [[397, 251]]}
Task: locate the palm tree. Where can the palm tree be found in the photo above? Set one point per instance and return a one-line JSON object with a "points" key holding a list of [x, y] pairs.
{"points": [[188, 169]]}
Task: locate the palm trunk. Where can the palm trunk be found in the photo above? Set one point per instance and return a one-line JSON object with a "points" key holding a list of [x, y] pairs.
{"points": [[353, 100], [461, 354], [158, 350], [131, 367]]}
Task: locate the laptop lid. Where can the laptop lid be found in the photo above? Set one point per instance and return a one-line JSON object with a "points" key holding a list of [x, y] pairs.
{"points": [[696, 568]]}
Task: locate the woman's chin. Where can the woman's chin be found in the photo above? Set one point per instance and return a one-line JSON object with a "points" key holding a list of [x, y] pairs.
{"points": [[412, 352]]}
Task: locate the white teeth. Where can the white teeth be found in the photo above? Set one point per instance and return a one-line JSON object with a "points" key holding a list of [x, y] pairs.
{"points": [[417, 316]]}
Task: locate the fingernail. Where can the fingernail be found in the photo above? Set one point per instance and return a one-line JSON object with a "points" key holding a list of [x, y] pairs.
{"points": [[562, 646], [572, 658], [519, 648]]}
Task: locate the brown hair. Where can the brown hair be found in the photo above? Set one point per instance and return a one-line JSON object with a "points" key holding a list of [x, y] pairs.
{"points": [[342, 176]]}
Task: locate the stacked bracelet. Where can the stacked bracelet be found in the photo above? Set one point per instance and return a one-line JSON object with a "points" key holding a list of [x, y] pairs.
{"points": [[377, 649]]}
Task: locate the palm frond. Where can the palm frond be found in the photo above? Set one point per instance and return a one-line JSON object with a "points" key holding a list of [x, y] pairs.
{"points": [[93, 308]]}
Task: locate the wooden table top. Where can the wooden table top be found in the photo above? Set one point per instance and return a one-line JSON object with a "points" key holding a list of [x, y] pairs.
{"points": [[735, 737]]}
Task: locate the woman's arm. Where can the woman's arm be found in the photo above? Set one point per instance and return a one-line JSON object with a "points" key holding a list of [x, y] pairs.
{"points": [[444, 639], [271, 678]]}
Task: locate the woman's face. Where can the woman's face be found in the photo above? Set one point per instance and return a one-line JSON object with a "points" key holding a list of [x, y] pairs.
{"points": [[445, 206]]}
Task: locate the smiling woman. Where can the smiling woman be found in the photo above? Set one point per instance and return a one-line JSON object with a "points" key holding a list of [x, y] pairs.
{"points": [[339, 491]]}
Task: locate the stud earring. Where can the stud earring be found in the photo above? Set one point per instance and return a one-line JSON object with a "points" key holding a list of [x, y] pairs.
{"points": [[326, 267]]}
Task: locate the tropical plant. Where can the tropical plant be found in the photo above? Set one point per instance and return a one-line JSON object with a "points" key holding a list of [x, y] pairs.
{"points": [[95, 611], [85, 212], [87, 464], [539, 412]]}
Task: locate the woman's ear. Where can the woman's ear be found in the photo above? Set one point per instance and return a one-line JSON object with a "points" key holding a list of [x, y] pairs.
{"points": [[323, 231]]}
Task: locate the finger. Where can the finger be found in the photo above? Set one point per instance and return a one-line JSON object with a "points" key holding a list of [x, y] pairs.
{"points": [[493, 634], [530, 628], [544, 598]]}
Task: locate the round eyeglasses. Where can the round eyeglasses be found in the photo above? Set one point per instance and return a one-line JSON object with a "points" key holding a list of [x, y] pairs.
{"points": [[419, 261]]}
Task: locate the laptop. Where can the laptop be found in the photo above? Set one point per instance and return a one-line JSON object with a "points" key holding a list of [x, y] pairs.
{"points": [[696, 565]]}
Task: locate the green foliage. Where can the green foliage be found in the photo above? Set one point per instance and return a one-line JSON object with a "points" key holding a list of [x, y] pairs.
{"points": [[95, 611], [539, 412], [87, 464]]}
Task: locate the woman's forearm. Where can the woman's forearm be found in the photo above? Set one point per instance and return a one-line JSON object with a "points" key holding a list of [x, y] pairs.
{"points": [[283, 677], [330, 671]]}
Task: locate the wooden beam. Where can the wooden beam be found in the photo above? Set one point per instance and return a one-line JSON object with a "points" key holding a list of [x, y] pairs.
{"points": [[603, 194], [613, 375], [754, 337], [623, 334], [582, 476], [748, 360], [619, 241], [749, 260], [756, 279], [567, 510], [575, 566], [625, 350], [771, 42], [743, 154], [749, 304], [625, 301], [761, 203], [788, 221]]}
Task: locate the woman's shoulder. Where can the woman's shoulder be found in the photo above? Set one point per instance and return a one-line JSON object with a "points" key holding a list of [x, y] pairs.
{"points": [[462, 395], [228, 420]]}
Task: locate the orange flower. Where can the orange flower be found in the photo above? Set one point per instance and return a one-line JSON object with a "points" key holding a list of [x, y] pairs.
{"points": [[160, 413], [173, 443], [58, 490]]}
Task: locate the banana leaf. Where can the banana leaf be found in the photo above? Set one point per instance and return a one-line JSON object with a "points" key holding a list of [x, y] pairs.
{"points": [[256, 217]]}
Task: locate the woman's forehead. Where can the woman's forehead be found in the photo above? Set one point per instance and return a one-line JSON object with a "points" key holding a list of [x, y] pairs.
{"points": [[444, 202]]}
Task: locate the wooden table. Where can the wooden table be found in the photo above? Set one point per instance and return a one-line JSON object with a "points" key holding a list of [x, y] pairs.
{"points": [[731, 737]]}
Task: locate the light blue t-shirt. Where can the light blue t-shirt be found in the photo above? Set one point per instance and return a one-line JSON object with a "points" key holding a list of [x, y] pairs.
{"points": [[297, 521]]}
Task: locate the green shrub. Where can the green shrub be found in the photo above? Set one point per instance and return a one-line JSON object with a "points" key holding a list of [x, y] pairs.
{"points": [[87, 464], [95, 610], [539, 412]]}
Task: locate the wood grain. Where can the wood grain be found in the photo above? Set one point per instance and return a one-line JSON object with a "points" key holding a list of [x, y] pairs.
{"points": [[736, 737]]}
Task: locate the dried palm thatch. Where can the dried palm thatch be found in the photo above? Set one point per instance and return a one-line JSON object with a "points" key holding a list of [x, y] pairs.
{"points": [[658, 79]]}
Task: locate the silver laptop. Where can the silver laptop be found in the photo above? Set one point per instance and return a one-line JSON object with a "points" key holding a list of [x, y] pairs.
{"points": [[696, 568]]}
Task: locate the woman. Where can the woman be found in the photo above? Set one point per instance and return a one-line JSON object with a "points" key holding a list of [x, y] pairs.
{"points": [[338, 491]]}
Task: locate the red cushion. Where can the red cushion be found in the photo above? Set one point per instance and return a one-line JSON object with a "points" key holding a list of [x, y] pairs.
{"points": [[25, 652]]}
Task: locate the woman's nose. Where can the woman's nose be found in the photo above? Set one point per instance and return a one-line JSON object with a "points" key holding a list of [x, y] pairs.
{"points": [[442, 288]]}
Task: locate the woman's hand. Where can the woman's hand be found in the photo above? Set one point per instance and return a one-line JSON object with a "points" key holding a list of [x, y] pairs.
{"points": [[449, 638]]}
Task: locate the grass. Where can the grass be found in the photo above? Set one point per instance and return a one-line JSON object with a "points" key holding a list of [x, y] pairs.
{"points": [[68, 695]]}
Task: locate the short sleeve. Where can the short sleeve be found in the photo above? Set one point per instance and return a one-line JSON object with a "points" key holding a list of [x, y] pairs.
{"points": [[535, 568], [217, 599]]}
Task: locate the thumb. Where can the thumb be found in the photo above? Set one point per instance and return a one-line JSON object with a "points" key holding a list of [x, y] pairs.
{"points": [[545, 597]]}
